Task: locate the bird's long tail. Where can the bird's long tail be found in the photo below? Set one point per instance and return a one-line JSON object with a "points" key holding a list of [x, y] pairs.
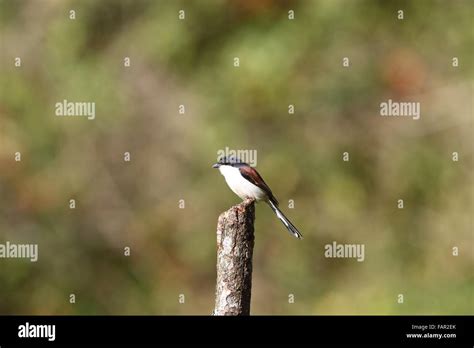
{"points": [[291, 228]]}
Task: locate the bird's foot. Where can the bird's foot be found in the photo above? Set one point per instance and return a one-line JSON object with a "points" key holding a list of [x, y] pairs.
{"points": [[248, 201]]}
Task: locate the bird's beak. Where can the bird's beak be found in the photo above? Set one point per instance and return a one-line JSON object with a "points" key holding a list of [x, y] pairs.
{"points": [[216, 165]]}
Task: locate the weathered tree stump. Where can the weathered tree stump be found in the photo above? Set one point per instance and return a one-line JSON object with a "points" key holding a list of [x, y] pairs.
{"points": [[235, 241]]}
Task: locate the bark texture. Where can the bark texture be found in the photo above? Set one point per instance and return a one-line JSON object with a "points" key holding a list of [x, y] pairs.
{"points": [[235, 240]]}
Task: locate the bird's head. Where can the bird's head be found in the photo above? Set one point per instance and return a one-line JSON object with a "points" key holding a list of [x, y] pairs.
{"points": [[228, 161]]}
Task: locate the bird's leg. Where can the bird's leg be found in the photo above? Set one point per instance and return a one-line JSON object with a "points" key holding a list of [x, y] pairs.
{"points": [[245, 203], [248, 201]]}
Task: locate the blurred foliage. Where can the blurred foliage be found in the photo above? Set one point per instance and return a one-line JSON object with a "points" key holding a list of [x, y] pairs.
{"points": [[190, 62]]}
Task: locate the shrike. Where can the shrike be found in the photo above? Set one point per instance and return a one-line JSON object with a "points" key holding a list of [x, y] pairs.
{"points": [[247, 183]]}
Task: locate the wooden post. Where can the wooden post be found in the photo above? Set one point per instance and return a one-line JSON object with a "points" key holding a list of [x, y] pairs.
{"points": [[235, 240]]}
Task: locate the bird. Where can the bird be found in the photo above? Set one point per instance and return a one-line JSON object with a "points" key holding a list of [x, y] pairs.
{"points": [[247, 183]]}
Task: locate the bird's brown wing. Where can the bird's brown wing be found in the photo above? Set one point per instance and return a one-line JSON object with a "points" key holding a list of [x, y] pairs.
{"points": [[252, 175]]}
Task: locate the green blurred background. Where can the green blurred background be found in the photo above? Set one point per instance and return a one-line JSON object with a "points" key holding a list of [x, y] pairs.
{"points": [[136, 204]]}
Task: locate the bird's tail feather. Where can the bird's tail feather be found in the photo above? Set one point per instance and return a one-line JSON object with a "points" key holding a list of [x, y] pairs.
{"points": [[291, 228]]}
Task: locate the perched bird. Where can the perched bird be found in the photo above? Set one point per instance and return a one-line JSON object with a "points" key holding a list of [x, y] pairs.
{"points": [[247, 183]]}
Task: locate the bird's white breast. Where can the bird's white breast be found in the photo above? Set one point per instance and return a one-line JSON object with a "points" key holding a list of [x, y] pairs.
{"points": [[241, 186]]}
